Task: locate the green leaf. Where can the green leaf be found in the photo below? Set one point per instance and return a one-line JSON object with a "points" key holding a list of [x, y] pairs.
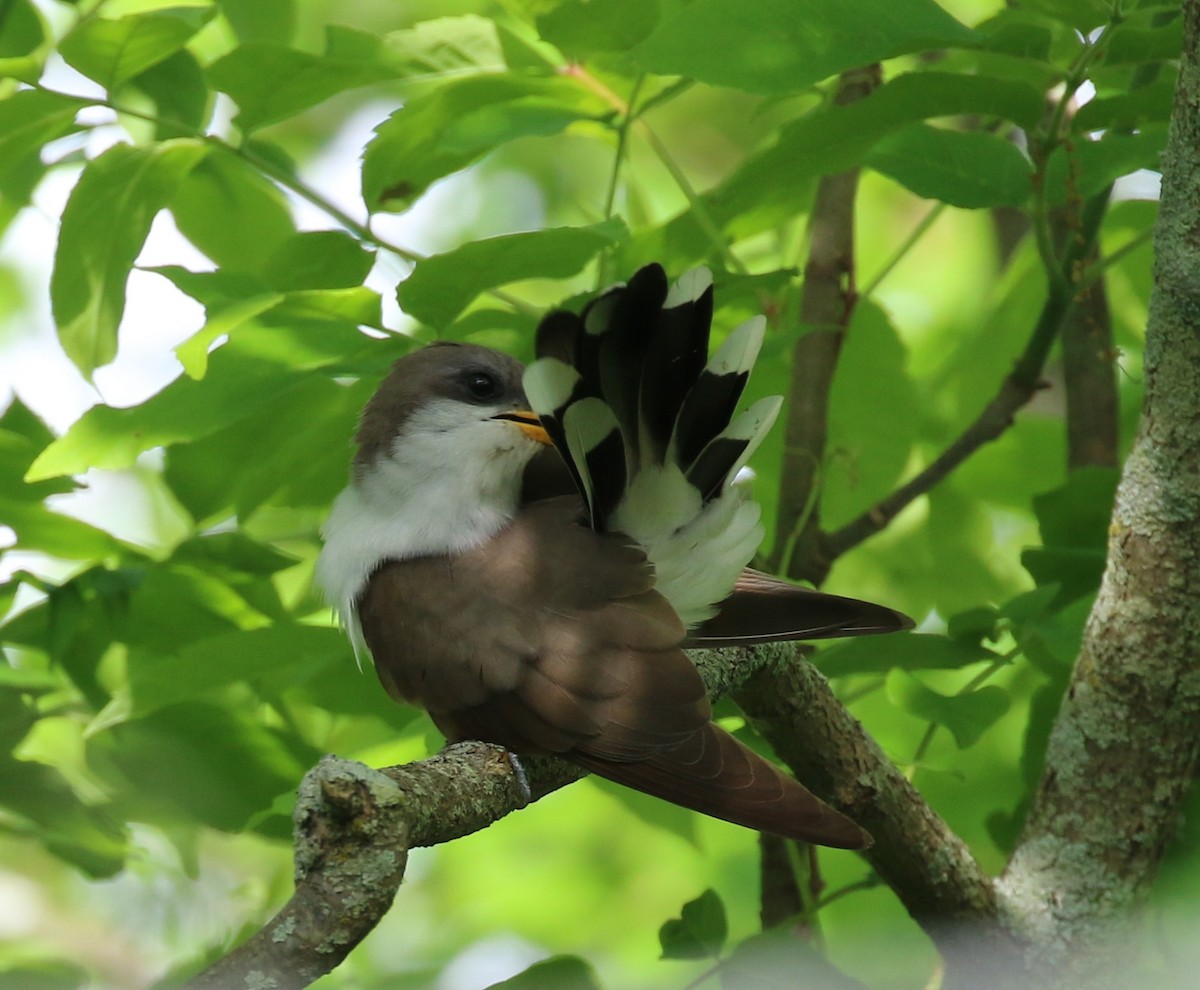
{"points": [[261, 20], [442, 46], [1074, 523], [967, 716], [85, 836], [44, 974], [39, 528], [248, 373], [1083, 15], [775, 184], [968, 169], [222, 553], [1084, 167], [1018, 32], [114, 51], [358, 306], [22, 436], [904, 651], [785, 46], [104, 226], [180, 94], [778, 960], [270, 82], [172, 607], [699, 932], [30, 119], [580, 28], [1133, 43], [555, 973], [441, 286], [222, 321], [974, 625], [231, 213], [1146, 104], [318, 259], [17, 715], [291, 654], [23, 42], [457, 123], [296, 449], [868, 448], [196, 762]]}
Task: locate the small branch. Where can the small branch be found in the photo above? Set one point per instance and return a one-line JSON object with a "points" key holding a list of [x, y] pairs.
{"points": [[781, 898], [354, 827], [1015, 391], [826, 306], [1090, 380], [931, 870], [695, 201]]}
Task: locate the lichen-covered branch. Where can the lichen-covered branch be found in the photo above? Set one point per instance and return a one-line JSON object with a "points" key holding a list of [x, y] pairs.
{"points": [[354, 827], [1124, 750], [931, 870]]}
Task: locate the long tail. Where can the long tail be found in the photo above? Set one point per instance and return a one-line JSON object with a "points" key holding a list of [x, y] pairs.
{"points": [[711, 772], [647, 424]]}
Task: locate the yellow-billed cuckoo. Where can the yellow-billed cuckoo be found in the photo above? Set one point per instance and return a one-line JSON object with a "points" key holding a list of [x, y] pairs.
{"points": [[555, 623]]}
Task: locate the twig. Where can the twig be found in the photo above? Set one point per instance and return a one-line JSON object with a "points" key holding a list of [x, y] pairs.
{"points": [[696, 204], [1089, 379], [1017, 389], [931, 870], [826, 306]]}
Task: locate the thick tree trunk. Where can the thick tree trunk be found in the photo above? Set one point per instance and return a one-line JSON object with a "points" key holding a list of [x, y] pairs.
{"points": [[1124, 750]]}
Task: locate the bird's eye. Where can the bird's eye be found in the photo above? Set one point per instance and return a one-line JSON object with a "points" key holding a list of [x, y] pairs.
{"points": [[481, 385]]}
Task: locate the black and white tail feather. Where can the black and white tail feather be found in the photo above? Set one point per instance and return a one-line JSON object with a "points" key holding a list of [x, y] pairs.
{"points": [[646, 420], [647, 424]]}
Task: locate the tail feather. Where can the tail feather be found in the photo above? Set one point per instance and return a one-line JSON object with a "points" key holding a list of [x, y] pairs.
{"points": [[724, 455], [641, 351], [712, 400], [711, 772], [674, 360]]}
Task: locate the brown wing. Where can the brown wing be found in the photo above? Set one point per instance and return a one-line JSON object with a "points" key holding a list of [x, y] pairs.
{"points": [[766, 609], [550, 638]]}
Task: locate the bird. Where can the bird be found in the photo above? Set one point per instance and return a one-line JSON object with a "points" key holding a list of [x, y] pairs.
{"points": [[526, 553]]}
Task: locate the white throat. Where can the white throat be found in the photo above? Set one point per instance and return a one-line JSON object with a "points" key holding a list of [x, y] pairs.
{"points": [[445, 486]]}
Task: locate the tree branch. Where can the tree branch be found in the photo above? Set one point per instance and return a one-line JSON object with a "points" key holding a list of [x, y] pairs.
{"points": [[932, 871], [1015, 391], [826, 305], [354, 827], [1124, 749], [1089, 378]]}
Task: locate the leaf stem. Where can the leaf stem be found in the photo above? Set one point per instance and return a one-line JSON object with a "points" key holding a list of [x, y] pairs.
{"points": [[695, 201], [975, 682], [919, 231]]}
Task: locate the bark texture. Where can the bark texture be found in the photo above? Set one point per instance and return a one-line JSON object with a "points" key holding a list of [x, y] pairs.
{"points": [[1124, 748]]}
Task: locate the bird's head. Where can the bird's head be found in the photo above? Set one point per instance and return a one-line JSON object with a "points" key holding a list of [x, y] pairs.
{"points": [[449, 409]]}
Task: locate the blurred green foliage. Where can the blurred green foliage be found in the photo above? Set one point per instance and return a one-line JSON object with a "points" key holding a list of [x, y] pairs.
{"points": [[160, 698]]}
